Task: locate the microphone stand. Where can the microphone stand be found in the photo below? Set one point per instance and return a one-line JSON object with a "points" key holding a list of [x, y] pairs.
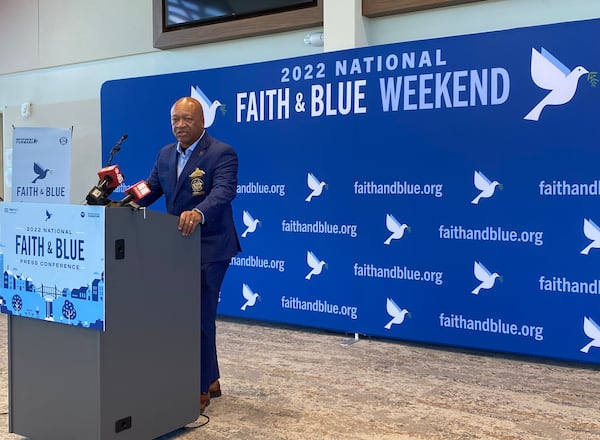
{"points": [[115, 149]]}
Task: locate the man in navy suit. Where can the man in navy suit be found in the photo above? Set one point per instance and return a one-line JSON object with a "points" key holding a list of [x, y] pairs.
{"points": [[198, 177]]}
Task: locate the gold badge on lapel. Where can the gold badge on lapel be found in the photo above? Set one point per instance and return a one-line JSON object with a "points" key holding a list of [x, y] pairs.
{"points": [[196, 182]]}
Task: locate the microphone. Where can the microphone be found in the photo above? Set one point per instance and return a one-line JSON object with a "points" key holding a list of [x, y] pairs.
{"points": [[134, 193], [109, 177], [116, 148]]}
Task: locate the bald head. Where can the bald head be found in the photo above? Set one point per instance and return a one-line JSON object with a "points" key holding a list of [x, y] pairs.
{"points": [[187, 121]]}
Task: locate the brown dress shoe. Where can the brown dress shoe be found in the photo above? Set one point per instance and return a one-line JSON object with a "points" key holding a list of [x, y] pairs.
{"points": [[215, 389], [204, 401]]}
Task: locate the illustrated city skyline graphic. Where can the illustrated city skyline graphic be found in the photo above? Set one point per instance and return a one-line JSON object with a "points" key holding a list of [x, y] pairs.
{"points": [[20, 296]]}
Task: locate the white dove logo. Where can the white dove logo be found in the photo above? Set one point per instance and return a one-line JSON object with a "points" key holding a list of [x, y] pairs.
{"points": [[592, 331], [591, 231], [249, 296], [315, 185], [485, 276], [550, 74], [315, 264], [395, 312], [395, 228], [209, 107], [483, 184], [250, 223]]}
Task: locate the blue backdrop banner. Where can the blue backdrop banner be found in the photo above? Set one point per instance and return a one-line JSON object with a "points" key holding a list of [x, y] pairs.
{"points": [[443, 191]]}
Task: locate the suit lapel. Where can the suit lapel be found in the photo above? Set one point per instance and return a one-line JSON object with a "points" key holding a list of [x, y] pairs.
{"points": [[172, 166]]}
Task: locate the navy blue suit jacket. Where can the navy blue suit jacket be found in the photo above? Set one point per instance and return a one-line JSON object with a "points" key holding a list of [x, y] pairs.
{"points": [[209, 183]]}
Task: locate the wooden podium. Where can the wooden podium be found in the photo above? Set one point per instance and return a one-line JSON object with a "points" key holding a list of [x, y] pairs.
{"points": [[140, 377]]}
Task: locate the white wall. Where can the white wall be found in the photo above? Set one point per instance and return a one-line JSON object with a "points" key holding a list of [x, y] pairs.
{"points": [[41, 33], [488, 15], [56, 54]]}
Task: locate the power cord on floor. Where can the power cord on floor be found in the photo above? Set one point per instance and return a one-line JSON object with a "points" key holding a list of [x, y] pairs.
{"points": [[198, 423]]}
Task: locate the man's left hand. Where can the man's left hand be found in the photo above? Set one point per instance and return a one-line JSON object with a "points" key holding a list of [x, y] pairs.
{"points": [[188, 220]]}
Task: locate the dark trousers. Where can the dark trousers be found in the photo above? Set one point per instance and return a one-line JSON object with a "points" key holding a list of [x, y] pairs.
{"points": [[212, 275]]}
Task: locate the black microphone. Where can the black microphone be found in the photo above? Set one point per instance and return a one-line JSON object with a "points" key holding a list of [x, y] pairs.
{"points": [[116, 149], [110, 177]]}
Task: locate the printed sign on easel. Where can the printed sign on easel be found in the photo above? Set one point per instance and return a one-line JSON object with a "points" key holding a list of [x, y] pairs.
{"points": [[41, 165]]}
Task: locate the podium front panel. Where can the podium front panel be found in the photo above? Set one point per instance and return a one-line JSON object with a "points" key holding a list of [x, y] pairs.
{"points": [[140, 377]]}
